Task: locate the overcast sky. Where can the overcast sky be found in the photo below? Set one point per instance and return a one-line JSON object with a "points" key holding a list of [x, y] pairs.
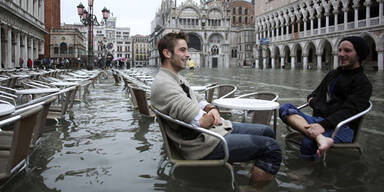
{"points": [[135, 14]]}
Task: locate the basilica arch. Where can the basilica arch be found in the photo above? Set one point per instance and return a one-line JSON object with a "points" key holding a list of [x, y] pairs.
{"points": [[195, 41], [216, 50]]}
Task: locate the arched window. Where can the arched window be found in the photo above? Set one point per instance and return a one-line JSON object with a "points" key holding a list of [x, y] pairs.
{"points": [[56, 50], [63, 48], [194, 42]]}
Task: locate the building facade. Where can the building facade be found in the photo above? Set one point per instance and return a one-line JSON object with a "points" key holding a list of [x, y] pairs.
{"points": [[66, 42], [213, 41], [140, 50], [112, 40], [22, 31], [305, 34]]}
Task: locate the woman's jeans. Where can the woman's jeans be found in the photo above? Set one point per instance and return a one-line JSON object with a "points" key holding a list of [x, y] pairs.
{"points": [[248, 142], [308, 145]]}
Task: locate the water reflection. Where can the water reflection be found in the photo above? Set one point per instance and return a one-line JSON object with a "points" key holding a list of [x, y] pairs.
{"points": [[105, 145]]}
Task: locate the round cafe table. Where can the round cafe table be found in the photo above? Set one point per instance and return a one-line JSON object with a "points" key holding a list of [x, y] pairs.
{"points": [[198, 88], [247, 104]]}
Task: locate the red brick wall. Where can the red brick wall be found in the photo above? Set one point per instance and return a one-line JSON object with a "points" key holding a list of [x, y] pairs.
{"points": [[243, 4], [52, 21]]}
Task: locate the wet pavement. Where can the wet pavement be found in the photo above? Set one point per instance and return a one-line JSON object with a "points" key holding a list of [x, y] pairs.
{"points": [[103, 144]]}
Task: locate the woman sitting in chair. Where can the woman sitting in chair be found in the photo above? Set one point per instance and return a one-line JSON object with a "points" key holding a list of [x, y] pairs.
{"points": [[343, 93]]}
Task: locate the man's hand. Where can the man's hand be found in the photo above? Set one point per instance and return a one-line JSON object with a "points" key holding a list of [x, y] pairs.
{"points": [[216, 115], [314, 129], [206, 120]]}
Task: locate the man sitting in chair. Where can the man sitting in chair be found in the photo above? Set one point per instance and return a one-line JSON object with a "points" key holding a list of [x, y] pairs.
{"points": [[171, 95], [343, 93]]}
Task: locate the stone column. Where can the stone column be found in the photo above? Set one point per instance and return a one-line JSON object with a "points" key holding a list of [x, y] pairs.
{"points": [[305, 62], [31, 54], [305, 27], [287, 33], [318, 61], [264, 62], [319, 24], [42, 48], [1, 44], [17, 50], [381, 17], [356, 11], [380, 60], [345, 10], [36, 51], [9, 48], [368, 12], [327, 22], [273, 62], [293, 62], [282, 32], [282, 61], [25, 55], [335, 19], [36, 4], [311, 25], [335, 60], [257, 62]]}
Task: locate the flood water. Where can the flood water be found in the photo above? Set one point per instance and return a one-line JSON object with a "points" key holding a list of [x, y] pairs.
{"points": [[103, 144]]}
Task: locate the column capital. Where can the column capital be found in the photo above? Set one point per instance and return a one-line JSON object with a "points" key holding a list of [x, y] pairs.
{"points": [[367, 3]]}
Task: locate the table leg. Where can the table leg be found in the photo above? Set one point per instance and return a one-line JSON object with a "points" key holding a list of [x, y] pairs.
{"points": [[245, 115], [274, 121]]}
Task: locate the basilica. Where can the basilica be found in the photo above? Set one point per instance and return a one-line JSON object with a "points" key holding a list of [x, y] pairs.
{"points": [[221, 33]]}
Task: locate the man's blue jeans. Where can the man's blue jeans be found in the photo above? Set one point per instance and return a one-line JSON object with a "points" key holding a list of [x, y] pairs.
{"points": [[308, 145], [249, 142]]}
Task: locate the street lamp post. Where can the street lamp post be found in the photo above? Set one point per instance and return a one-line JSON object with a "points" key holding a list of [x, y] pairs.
{"points": [[89, 19]]}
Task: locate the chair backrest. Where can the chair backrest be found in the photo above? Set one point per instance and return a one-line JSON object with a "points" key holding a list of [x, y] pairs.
{"points": [[12, 158], [354, 117], [261, 117], [171, 150], [224, 91], [142, 102]]}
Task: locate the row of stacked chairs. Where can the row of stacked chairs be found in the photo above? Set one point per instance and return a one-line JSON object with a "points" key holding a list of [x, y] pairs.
{"points": [[28, 98]]}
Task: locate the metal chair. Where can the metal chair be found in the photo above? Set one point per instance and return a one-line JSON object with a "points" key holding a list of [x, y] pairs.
{"points": [[142, 101], [15, 143], [354, 144], [223, 91], [172, 152], [261, 117]]}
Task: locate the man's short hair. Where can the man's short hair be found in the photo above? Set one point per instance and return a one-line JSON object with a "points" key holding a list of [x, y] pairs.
{"points": [[169, 42]]}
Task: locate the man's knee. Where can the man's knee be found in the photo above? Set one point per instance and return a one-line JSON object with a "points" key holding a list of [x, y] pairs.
{"points": [[268, 132]]}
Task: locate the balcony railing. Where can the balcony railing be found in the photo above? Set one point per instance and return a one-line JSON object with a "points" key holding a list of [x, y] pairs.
{"points": [[362, 24]]}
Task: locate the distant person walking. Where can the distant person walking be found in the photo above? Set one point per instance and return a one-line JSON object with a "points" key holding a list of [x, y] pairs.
{"points": [[29, 64], [191, 64]]}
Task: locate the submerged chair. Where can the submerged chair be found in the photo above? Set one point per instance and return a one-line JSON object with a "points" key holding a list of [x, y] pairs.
{"points": [[353, 145], [15, 142], [261, 117], [172, 152], [142, 101]]}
